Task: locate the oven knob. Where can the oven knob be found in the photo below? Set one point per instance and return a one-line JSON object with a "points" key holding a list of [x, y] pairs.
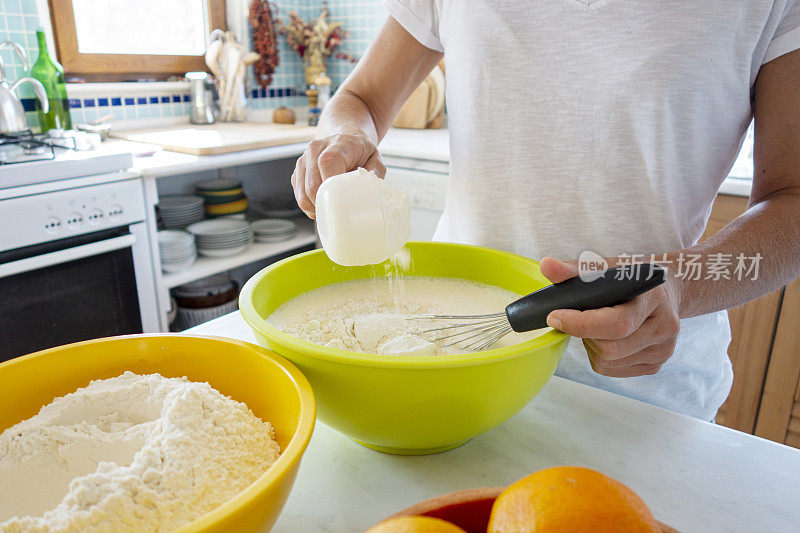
{"points": [[52, 225], [114, 211], [74, 220], [95, 216]]}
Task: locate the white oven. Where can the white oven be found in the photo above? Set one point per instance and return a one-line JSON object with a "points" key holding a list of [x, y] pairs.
{"points": [[75, 263]]}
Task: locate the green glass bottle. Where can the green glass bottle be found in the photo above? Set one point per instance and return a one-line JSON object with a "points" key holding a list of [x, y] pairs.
{"points": [[51, 74]]}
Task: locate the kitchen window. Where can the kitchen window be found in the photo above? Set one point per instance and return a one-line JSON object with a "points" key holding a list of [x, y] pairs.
{"points": [[122, 40]]}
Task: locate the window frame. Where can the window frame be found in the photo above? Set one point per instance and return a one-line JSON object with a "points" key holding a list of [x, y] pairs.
{"points": [[121, 67]]}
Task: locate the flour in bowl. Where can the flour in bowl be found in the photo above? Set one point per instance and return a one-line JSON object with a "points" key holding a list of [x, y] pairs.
{"points": [[131, 453], [373, 315]]}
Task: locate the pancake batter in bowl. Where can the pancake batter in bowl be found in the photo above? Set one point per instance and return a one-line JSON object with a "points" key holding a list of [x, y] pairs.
{"points": [[372, 316]]}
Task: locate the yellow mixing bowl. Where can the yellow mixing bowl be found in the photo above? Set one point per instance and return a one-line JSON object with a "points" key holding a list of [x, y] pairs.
{"points": [[400, 404], [271, 386]]}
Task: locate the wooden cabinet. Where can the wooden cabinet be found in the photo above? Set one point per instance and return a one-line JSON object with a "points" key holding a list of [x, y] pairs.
{"points": [[765, 353], [779, 415], [752, 327]]}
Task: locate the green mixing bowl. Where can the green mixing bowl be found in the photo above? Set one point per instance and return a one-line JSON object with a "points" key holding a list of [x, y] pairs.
{"points": [[409, 404]]}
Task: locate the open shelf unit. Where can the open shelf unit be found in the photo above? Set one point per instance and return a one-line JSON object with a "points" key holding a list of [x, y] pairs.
{"points": [[206, 266]]}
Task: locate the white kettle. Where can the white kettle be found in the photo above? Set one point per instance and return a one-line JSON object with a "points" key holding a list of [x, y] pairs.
{"points": [[12, 115]]}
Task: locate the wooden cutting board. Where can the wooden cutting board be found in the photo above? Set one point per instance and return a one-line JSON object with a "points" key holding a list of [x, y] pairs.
{"points": [[219, 138]]}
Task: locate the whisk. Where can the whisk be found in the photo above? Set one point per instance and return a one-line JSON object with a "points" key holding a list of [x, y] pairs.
{"points": [[615, 286]]}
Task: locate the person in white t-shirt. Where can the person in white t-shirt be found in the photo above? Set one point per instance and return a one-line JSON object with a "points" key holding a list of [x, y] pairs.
{"points": [[603, 126]]}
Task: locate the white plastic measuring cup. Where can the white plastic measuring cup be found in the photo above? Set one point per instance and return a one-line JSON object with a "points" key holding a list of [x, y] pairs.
{"points": [[361, 219]]}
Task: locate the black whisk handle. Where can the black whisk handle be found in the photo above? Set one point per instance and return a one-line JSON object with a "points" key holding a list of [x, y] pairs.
{"points": [[616, 286]]}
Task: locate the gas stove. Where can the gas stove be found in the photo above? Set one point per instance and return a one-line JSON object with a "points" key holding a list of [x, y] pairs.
{"points": [[24, 147], [27, 158]]}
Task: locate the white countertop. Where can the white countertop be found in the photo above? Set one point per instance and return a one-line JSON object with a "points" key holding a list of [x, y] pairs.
{"points": [[428, 145], [694, 476], [152, 161], [432, 145]]}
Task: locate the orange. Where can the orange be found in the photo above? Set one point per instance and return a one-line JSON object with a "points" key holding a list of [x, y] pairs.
{"points": [[415, 524], [570, 498]]}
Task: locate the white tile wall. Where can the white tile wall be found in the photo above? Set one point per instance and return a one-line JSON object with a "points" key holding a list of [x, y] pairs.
{"points": [[361, 19]]}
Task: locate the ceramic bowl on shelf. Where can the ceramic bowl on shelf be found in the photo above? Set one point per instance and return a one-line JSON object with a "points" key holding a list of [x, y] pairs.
{"points": [[223, 199], [410, 404], [227, 208], [218, 187], [206, 292], [188, 317], [280, 206], [222, 196], [267, 383], [468, 509]]}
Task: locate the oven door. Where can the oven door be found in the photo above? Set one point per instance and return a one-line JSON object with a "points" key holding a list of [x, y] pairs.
{"points": [[68, 290]]}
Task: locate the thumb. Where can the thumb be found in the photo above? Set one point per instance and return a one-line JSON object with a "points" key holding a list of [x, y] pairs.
{"points": [[558, 271], [331, 162]]}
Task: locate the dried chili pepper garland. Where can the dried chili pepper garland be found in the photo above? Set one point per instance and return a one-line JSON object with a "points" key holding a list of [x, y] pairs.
{"points": [[265, 41]]}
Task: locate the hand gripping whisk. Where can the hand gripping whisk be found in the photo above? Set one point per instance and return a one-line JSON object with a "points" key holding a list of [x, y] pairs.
{"points": [[616, 286]]}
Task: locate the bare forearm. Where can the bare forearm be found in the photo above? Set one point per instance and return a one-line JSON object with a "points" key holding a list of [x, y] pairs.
{"points": [[356, 119], [347, 113], [767, 230]]}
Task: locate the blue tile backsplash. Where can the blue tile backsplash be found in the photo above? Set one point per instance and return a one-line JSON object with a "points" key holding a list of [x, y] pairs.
{"points": [[77, 103], [361, 20], [19, 20]]}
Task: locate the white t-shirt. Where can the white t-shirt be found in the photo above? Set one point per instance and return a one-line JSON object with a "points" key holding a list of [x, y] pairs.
{"points": [[602, 125]]}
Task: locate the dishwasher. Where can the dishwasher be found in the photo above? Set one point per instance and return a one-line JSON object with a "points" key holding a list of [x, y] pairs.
{"points": [[426, 183]]}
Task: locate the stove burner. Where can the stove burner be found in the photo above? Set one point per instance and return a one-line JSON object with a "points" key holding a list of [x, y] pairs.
{"points": [[23, 147], [34, 148], [25, 135]]}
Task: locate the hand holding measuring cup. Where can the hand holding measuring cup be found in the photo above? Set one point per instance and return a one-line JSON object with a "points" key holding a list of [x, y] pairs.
{"points": [[330, 156], [361, 219]]}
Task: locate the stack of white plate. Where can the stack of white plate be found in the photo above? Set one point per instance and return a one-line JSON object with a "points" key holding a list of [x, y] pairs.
{"points": [[274, 229], [222, 237], [177, 250], [180, 210]]}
